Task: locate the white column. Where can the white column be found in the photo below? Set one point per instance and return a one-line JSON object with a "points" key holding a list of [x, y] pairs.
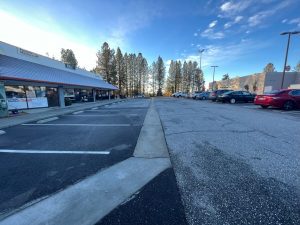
{"points": [[61, 96], [94, 95]]}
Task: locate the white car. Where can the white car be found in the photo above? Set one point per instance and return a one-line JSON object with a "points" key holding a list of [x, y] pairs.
{"points": [[196, 94], [180, 94]]}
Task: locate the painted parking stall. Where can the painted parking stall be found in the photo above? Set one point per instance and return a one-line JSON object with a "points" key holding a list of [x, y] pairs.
{"points": [[41, 158]]}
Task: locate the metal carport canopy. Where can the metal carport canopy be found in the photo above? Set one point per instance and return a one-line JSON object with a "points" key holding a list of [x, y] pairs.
{"points": [[21, 70]]}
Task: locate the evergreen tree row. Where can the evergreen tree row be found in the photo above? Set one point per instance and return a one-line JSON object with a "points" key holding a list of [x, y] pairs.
{"points": [[129, 72], [185, 77]]}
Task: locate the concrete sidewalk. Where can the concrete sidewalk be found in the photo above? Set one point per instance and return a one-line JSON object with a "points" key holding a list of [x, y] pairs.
{"points": [[38, 114]]}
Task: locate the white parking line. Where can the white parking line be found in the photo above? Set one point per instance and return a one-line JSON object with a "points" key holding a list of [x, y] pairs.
{"points": [[2, 132], [105, 115], [86, 115], [53, 152], [101, 110], [75, 113], [77, 124], [94, 108], [292, 112], [47, 120]]}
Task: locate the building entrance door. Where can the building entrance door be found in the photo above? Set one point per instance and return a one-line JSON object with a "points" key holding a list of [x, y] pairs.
{"points": [[52, 96]]}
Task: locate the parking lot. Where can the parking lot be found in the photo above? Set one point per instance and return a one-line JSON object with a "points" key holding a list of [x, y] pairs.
{"points": [[40, 158], [234, 163]]}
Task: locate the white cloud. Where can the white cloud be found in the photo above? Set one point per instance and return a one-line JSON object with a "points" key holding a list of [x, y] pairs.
{"points": [[256, 19], [236, 20], [213, 24], [225, 54], [284, 21], [227, 25], [211, 34], [259, 17], [42, 39], [295, 21], [195, 34], [17, 32], [231, 7]]}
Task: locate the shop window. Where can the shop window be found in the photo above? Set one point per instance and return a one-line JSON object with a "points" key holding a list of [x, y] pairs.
{"points": [[40, 92], [16, 97], [69, 93], [36, 97], [15, 92]]}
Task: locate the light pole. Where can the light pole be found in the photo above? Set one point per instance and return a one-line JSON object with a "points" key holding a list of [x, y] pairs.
{"points": [[201, 51], [212, 88], [287, 52]]}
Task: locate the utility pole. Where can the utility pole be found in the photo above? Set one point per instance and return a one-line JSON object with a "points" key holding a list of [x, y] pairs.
{"points": [[201, 51], [286, 53], [212, 88]]}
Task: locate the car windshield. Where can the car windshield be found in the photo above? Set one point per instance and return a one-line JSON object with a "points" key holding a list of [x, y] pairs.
{"points": [[275, 92], [227, 92]]}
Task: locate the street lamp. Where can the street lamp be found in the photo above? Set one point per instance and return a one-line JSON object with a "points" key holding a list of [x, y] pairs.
{"points": [[287, 52], [212, 88], [201, 51]]}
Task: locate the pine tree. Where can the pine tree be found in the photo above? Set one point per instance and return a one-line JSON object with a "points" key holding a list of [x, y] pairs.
{"points": [[105, 58], [185, 77], [190, 77], [178, 76], [226, 77], [120, 69], [160, 73], [153, 74], [140, 68], [269, 68], [171, 77], [145, 76], [68, 57]]}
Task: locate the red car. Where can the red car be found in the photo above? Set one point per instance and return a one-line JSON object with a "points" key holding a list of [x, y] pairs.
{"points": [[287, 99]]}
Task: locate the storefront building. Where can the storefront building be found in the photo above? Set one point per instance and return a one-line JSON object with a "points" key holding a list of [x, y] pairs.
{"points": [[33, 81]]}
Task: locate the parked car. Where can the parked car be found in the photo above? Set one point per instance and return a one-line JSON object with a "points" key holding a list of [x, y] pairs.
{"points": [[180, 94], [236, 96], [195, 94], [214, 94], [203, 95], [286, 99]]}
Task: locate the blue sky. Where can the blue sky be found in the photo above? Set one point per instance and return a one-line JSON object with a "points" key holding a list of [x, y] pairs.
{"points": [[241, 37]]}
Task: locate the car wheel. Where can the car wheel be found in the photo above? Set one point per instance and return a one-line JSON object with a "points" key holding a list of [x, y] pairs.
{"points": [[264, 106], [289, 105], [203, 98], [232, 101]]}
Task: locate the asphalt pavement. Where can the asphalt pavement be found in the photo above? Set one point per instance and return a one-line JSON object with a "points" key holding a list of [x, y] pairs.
{"points": [[156, 203], [47, 157], [234, 164]]}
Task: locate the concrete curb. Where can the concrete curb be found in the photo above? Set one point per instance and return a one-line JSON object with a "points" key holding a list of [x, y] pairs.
{"points": [[151, 142], [88, 201]]}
